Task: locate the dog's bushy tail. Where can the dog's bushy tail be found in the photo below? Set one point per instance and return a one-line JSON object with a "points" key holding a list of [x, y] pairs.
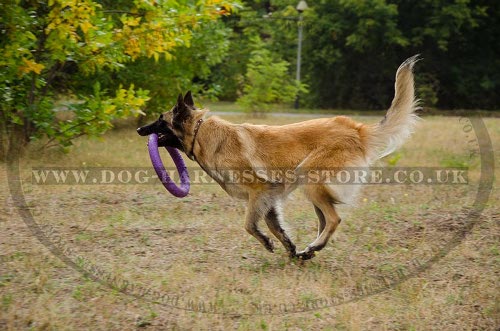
{"points": [[398, 123]]}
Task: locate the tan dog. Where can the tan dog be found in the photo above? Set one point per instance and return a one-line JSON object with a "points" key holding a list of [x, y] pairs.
{"points": [[224, 150]]}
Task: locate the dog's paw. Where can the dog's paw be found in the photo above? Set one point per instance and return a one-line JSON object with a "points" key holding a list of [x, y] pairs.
{"points": [[305, 255], [269, 245]]}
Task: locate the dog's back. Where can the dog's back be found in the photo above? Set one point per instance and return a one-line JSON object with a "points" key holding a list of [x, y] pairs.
{"points": [[340, 141], [319, 144]]}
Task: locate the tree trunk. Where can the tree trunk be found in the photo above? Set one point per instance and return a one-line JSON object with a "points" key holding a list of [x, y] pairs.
{"points": [[13, 142], [3, 141]]}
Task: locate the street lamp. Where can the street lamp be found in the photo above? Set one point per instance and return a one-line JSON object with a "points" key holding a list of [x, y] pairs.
{"points": [[300, 8]]}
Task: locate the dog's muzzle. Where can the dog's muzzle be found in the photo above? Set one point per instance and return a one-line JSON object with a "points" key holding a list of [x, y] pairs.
{"points": [[146, 130]]}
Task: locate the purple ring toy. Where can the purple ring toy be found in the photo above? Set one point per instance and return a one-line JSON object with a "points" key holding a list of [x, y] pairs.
{"points": [[178, 191]]}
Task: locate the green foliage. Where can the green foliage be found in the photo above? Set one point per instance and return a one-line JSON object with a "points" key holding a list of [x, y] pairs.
{"points": [[229, 75], [427, 86], [278, 31], [352, 49], [376, 22], [59, 49], [394, 158], [50, 47], [454, 160], [93, 116], [267, 81], [188, 69]]}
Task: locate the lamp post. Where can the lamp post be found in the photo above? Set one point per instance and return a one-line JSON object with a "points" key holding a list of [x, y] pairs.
{"points": [[300, 8]]}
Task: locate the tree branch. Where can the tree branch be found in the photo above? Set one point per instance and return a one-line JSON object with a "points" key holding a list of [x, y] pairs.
{"points": [[46, 145], [52, 74]]}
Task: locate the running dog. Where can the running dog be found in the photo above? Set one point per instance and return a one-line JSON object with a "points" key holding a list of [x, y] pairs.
{"points": [[326, 143]]}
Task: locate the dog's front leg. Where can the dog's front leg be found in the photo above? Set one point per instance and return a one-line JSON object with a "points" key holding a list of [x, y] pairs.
{"points": [[253, 215], [274, 220]]}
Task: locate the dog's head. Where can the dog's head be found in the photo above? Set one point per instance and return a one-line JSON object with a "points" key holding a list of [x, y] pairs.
{"points": [[175, 128], [163, 128]]}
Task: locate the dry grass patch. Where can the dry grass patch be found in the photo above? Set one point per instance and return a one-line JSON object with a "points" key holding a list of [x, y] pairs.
{"points": [[197, 250]]}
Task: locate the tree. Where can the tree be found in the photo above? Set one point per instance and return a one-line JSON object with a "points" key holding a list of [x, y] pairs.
{"points": [[189, 68], [48, 46], [274, 23], [267, 81], [352, 49]]}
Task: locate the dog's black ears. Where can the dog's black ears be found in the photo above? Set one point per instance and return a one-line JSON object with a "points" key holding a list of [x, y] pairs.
{"points": [[188, 99], [184, 103], [180, 106], [180, 100]]}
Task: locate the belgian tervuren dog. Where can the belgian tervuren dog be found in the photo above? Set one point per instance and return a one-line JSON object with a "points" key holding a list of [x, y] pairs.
{"points": [[326, 143]]}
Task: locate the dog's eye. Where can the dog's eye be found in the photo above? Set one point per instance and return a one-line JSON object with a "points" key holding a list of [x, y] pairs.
{"points": [[161, 116]]}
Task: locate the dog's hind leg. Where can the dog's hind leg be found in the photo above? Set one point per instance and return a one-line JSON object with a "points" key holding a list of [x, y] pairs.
{"points": [[321, 220], [274, 220], [324, 202], [255, 210]]}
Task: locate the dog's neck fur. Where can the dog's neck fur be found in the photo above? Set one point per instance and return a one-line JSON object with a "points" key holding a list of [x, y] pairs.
{"points": [[222, 136], [189, 141], [190, 154]]}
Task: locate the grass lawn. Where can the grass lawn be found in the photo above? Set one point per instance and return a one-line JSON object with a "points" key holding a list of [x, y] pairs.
{"points": [[193, 254]]}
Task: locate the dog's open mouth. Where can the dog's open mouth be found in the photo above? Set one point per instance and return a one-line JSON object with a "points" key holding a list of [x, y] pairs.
{"points": [[162, 139], [166, 136], [169, 140]]}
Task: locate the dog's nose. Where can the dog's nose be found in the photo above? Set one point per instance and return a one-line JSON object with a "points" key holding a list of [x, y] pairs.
{"points": [[146, 130]]}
